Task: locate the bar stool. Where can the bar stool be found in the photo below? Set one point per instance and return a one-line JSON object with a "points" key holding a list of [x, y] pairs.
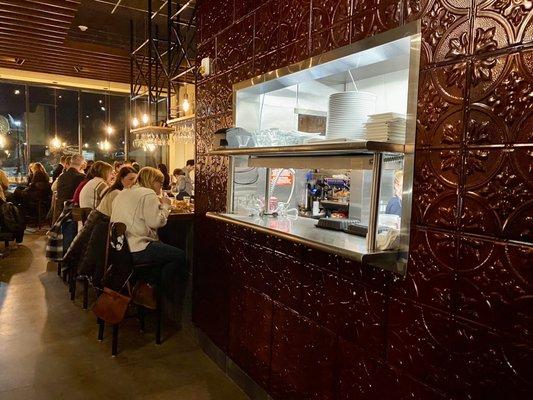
{"points": [[117, 230], [79, 214]]}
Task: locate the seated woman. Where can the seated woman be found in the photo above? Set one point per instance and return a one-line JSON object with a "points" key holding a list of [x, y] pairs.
{"points": [[87, 251], [39, 187], [124, 180], [174, 178], [91, 194], [143, 210], [180, 188]]}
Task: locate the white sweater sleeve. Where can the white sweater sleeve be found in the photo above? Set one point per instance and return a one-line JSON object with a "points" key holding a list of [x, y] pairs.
{"points": [[155, 214]]}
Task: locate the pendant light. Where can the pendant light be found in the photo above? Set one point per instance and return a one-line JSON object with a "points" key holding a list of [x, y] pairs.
{"points": [[55, 143]]}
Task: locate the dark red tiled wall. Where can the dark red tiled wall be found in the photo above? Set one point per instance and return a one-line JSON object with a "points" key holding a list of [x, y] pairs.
{"points": [[308, 325]]}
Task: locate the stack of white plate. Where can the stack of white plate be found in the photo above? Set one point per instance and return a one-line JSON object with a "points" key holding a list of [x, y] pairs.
{"points": [[387, 127], [347, 112]]}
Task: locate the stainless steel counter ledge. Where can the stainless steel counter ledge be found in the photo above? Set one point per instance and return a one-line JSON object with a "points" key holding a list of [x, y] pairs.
{"points": [[303, 231]]}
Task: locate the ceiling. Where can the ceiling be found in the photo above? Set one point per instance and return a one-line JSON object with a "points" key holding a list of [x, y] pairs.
{"points": [[43, 35]]}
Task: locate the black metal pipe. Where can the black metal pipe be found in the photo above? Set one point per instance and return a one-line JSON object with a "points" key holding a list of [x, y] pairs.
{"points": [[149, 27]]}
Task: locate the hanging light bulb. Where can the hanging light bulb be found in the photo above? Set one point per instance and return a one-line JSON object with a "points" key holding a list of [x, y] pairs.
{"points": [[109, 130], [135, 122], [145, 118], [185, 103], [105, 145], [55, 143]]}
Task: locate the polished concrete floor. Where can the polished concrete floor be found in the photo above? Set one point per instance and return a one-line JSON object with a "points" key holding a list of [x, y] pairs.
{"points": [[48, 346]]}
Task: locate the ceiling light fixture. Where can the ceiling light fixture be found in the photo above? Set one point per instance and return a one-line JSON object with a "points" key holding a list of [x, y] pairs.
{"points": [[82, 28], [185, 103]]}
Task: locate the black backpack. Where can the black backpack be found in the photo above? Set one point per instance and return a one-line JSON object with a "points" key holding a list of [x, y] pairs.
{"points": [[12, 220]]}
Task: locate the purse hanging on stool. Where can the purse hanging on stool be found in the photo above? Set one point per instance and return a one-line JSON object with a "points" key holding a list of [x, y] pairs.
{"points": [[111, 305]]}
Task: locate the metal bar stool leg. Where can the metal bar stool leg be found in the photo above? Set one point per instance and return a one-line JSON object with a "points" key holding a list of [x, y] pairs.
{"points": [[114, 345], [140, 314], [85, 293], [101, 327], [72, 286], [159, 317]]}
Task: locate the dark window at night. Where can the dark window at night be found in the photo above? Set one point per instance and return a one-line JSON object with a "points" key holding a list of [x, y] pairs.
{"points": [[52, 124], [12, 128], [103, 126]]}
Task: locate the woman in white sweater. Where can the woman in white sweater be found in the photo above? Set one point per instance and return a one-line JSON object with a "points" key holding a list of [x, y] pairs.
{"points": [[103, 176], [143, 210], [124, 180]]}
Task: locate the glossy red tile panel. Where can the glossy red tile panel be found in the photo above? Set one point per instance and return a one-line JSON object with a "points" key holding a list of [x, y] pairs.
{"points": [[502, 107], [458, 325], [250, 333], [303, 358], [267, 25], [430, 279], [364, 377], [327, 13], [441, 95], [494, 286], [435, 191], [499, 193], [235, 44], [498, 24], [295, 20]]}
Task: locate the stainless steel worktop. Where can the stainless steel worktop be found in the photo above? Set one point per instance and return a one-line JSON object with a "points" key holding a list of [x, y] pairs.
{"points": [[304, 231]]}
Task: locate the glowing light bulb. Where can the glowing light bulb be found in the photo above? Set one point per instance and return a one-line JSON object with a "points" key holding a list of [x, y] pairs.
{"points": [[186, 105], [55, 143], [2, 141], [145, 118], [135, 122], [110, 130]]}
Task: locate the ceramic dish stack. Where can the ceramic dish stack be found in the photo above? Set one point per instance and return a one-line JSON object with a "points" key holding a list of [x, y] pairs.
{"points": [[387, 127], [347, 112]]}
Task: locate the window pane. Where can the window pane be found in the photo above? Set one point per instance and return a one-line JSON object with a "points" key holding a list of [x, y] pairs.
{"points": [[52, 124], [100, 111], [12, 128]]}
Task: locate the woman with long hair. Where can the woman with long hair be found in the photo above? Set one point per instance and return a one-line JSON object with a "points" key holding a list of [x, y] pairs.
{"points": [[144, 210], [91, 194], [125, 179]]}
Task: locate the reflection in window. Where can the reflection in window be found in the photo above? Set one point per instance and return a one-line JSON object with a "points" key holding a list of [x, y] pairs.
{"points": [[103, 126], [12, 128], [53, 124], [150, 155]]}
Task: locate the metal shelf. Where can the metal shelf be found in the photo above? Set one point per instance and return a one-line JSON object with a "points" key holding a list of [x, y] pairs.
{"points": [[318, 149]]}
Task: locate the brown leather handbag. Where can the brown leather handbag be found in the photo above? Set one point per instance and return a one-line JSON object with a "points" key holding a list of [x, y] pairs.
{"points": [[111, 306], [144, 295]]}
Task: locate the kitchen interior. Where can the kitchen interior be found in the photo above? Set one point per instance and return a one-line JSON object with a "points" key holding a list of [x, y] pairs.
{"points": [[320, 150]]}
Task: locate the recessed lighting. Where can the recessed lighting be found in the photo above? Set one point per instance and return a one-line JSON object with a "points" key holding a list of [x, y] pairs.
{"points": [[82, 28]]}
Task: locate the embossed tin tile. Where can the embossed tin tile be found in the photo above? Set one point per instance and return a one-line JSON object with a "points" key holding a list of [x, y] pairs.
{"points": [[303, 358]]}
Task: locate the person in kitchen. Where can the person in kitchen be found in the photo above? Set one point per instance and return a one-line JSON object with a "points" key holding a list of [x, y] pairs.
{"points": [[189, 175], [394, 206]]}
